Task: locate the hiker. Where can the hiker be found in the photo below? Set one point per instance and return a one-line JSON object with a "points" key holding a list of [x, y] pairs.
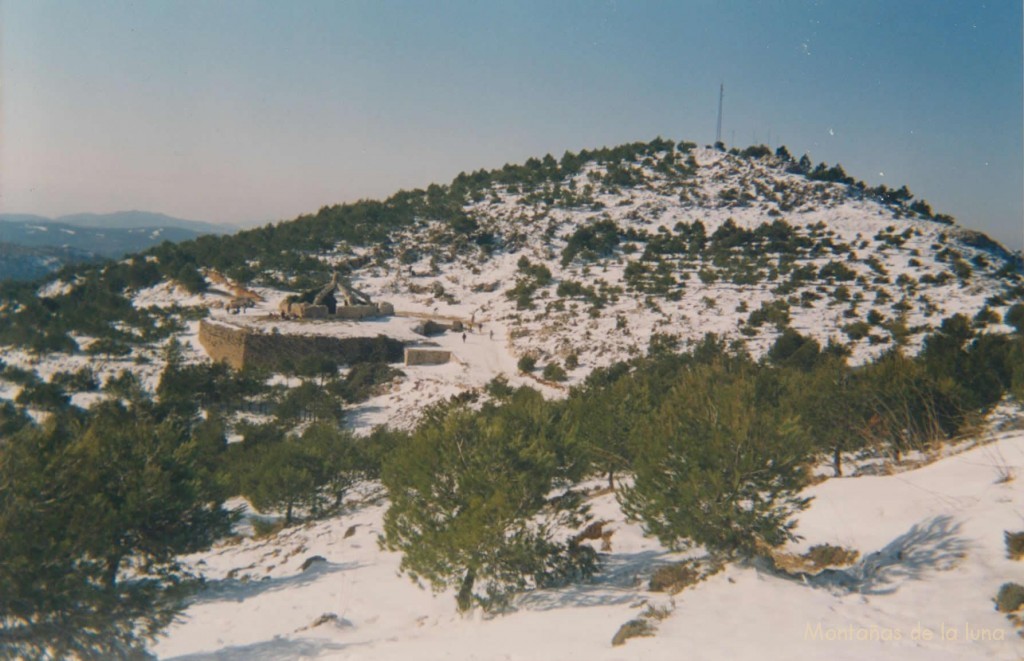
{"points": [[463, 337]]}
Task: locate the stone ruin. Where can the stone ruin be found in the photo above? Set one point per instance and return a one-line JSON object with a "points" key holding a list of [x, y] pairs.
{"points": [[239, 304], [337, 299], [243, 347], [425, 356]]}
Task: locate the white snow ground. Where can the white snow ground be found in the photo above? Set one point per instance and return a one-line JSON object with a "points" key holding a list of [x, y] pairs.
{"points": [[932, 551]]}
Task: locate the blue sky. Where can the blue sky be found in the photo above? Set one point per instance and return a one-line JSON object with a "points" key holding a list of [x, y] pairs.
{"points": [[252, 111]]}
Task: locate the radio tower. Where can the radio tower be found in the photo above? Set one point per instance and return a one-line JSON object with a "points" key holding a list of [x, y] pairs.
{"points": [[721, 96]]}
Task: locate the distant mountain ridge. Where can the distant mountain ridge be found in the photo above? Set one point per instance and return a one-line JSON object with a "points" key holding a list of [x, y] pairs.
{"points": [[123, 220], [35, 245], [30, 262]]}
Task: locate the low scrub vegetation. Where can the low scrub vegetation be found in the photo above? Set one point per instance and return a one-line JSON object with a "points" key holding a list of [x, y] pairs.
{"points": [[1010, 598], [1014, 545]]}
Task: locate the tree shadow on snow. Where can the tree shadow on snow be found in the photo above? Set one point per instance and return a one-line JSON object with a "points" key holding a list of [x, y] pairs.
{"points": [[934, 545], [365, 415], [615, 583], [233, 589], [269, 650]]}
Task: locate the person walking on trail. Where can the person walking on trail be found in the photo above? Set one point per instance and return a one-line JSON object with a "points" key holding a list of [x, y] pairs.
{"points": [[463, 337], [492, 335]]}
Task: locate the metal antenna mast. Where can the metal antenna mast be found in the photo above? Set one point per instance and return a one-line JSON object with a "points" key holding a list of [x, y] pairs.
{"points": [[721, 96]]}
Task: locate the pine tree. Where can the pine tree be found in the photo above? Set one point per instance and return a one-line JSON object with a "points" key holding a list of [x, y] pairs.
{"points": [[602, 419], [338, 467], [908, 407], [309, 402], [142, 489], [1015, 317], [465, 494], [281, 476], [832, 406], [791, 349], [85, 495], [719, 464]]}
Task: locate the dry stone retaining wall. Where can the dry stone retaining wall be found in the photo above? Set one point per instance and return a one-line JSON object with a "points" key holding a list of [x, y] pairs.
{"points": [[427, 356], [223, 343], [242, 348]]}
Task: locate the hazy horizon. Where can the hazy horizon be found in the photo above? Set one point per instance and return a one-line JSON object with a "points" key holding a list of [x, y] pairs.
{"points": [[247, 113]]}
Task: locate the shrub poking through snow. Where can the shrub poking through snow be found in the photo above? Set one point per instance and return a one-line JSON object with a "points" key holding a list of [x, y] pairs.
{"points": [[674, 578], [527, 363], [1014, 544], [1010, 598], [656, 613], [827, 555], [310, 562], [816, 559], [678, 576], [643, 626], [554, 372], [632, 629], [266, 527]]}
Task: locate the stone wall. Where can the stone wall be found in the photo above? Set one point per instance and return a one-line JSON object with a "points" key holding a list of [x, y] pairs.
{"points": [[223, 343], [274, 351], [427, 356], [355, 311], [348, 312]]}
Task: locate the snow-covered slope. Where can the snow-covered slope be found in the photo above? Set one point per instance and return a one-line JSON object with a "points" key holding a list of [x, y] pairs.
{"points": [[932, 559], [900, 265], [697, 241], [825, 259]]}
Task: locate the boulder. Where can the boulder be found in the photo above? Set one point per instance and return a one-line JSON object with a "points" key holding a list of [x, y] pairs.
{"points": [[429, 328]]}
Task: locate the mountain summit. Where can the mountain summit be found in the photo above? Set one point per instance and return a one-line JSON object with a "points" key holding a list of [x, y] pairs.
{"points": [[591, 257]]}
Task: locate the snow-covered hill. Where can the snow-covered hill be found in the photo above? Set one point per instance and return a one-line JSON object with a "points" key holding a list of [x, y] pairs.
{"points": [[932, 559], [585, 267], [578, 272], [890, 261], [697, 241]]}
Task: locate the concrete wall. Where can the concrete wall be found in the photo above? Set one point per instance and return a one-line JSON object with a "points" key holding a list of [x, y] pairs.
{"points": [[427, 356]]}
